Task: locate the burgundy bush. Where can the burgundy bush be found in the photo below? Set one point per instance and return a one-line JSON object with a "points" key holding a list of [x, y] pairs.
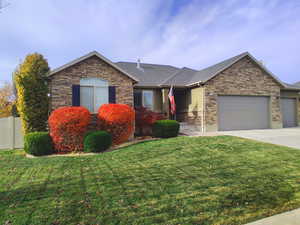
{"points": [[144, 119]]}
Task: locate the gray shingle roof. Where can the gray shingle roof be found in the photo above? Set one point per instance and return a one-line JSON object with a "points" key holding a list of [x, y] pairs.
{"points": [[292, 86], [297, 84], [188, 76], [165, 75], [181, 78], [150, 74], [155, 75]]}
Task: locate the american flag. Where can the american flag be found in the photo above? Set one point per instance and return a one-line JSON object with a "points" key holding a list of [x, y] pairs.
{"points": [[172, 100]]}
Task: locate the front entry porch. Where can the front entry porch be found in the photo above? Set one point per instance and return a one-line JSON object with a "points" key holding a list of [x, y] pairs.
{"points": [[189, 105]]}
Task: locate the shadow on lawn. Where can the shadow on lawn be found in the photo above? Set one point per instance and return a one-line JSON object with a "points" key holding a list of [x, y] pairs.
{"points": [[66, 201], [52, 200]]}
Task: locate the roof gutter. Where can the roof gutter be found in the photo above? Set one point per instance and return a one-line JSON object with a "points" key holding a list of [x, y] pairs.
{"points": [[291, 89], [196, 84]]}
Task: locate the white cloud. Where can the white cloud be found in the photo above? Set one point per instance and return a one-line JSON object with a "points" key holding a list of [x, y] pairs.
{"points": [[201, 32]]}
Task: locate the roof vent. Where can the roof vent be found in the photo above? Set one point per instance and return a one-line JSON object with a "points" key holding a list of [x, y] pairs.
{"points": [[138, 65]]}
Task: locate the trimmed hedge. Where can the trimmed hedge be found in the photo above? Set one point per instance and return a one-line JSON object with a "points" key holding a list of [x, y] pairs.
{"points": [[97, 141], [165, 128], [38, 143]]}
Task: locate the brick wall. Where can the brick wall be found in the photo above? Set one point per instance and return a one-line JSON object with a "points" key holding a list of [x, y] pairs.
{"points": [[244, 77], [61, 83]]}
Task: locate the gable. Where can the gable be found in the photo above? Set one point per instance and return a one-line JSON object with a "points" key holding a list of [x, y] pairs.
{"points": [[88, 56], [91, 67], [232, 61], [246, 75]]}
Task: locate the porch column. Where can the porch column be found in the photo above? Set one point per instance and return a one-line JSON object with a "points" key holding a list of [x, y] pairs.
{"points": [[165, 101]]}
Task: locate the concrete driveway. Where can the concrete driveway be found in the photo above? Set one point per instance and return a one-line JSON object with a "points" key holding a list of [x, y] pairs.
{"points": [[288, 218], [286, 136]]}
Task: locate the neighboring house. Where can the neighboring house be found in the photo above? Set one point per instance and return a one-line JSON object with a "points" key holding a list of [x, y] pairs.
{"points": [[238, 93]]}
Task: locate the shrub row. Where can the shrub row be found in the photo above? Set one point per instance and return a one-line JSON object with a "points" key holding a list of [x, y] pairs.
{"points": [[69, 124], [68, 127], [40, 143]]}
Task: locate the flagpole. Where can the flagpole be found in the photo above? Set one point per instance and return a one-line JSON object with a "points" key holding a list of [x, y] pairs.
{"points": [[174, 103], [171, 96]]}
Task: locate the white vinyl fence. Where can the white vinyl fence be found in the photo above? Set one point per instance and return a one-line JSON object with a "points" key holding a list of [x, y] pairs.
{"points": [[11, 135]]}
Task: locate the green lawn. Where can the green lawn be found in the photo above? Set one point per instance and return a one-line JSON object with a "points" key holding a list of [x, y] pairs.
{"points": [[174, 181]]}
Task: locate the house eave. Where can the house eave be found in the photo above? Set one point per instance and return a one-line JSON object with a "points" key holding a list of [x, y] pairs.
{"points": [[290, 89], [146, 86], [175, 86]]}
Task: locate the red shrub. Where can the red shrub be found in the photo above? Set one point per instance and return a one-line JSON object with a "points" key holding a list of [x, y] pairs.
{"points": [[118, 120], [67, 128], [144, 118]]}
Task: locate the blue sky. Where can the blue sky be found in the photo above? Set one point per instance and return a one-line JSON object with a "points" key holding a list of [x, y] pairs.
{"points": [[193, 33]]}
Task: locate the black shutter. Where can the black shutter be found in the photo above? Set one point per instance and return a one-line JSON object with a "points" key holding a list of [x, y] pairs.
{"points": [[112, 94], [137, 94], [75, 95]]}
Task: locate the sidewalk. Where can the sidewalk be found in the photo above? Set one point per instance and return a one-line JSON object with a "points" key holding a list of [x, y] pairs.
{"points": [[288, 218]]}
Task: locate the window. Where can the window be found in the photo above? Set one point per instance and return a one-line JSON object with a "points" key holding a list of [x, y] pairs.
{"points": [[143, 98], [93, 93]]}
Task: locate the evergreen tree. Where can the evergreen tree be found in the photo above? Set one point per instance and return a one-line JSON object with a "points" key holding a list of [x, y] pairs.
{"points": [[32, 91]]}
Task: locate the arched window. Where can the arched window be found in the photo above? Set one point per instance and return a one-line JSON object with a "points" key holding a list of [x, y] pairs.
{"points": [[93, 93]]}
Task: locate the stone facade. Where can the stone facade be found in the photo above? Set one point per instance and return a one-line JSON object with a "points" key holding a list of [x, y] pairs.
{"points": [[61, 82], [244, 77]]}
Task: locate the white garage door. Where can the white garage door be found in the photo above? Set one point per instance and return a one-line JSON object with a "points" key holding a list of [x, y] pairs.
{"points": [[288, 109], [243, 112]]}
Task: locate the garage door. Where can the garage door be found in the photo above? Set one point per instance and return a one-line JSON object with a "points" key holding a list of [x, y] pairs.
{"points": [[243, 112], [288, 109]]}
